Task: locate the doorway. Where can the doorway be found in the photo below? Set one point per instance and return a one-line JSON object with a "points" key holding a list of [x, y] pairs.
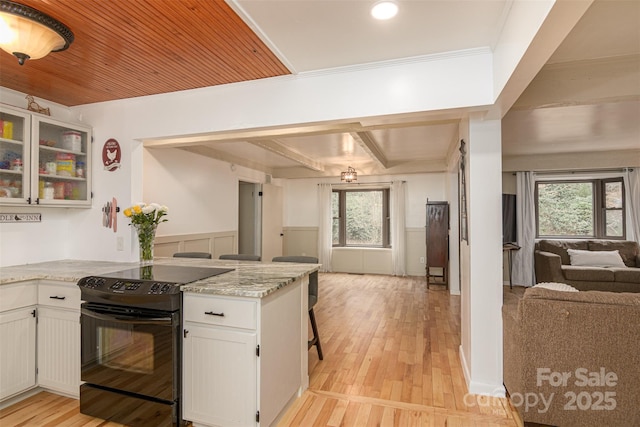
{"points": [[249, 218]]}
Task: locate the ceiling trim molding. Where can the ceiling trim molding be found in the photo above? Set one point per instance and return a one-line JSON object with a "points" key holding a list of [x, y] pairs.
{"points": [[420, 59]]}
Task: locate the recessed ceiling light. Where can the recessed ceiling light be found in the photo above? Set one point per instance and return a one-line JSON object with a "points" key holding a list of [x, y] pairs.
{"points": [[385, 9]]}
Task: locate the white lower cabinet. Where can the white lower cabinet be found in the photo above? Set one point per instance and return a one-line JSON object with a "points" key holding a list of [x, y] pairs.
{"points": [[59, 350], [220, 376], [39, 337], [244, 359], [17, 338], [59, 337], [17, 351]]}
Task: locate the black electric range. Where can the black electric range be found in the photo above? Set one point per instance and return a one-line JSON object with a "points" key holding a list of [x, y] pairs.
{"points": [[131, 349], [152, 286]]}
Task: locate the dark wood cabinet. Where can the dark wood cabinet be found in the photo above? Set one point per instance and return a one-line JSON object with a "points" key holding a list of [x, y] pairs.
{"points": [[437, 231]]}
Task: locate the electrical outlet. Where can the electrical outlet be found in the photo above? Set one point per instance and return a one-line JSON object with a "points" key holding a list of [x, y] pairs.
{"points": [[421, 260], [120, 243]]}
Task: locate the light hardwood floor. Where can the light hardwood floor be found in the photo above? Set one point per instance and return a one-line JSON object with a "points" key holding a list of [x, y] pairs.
{"points": [[390, 359]]}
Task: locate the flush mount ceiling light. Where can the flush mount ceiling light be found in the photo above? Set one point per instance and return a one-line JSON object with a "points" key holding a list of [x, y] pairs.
{"points": [[28, 33], [349, 175], [385, 9]]}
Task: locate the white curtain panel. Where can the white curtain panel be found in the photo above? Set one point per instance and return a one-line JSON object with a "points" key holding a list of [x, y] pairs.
{"points": [[523, 271], [398, 245], [325, 227], [632, 190]]}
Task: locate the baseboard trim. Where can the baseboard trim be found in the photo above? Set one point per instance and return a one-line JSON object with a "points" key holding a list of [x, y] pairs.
{"points": [[476, 387]]}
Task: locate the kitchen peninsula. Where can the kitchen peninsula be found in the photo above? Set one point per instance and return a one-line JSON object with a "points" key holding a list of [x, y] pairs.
{"points": [[243, 365]]}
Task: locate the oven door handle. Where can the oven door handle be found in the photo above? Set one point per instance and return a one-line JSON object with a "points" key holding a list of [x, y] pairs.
{"points": [[133, 320]]}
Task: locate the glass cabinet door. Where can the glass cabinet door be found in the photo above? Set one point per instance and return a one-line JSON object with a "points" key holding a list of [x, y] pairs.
{"points": [[61, 152], [14, 157]]}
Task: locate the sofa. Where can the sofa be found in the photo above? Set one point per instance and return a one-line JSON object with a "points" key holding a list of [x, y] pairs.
{"points": [[572, 358], [553, 264]]}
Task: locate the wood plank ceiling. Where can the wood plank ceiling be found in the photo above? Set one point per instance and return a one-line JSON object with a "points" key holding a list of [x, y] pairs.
{"points": [[126, 49]]}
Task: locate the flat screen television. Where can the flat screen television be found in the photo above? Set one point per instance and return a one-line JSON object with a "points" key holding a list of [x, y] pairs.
{"points": [[509, 233]]}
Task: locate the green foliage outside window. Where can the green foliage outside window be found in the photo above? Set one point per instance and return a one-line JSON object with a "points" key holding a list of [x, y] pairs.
{"points": [[360, 218], [593, 208]]}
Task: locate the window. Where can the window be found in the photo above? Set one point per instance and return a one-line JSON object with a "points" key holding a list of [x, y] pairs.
{"points": [[360, 217], [588, 208]]}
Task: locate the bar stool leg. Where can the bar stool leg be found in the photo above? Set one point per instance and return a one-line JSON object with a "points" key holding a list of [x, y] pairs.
{"points": [[316, 338]]}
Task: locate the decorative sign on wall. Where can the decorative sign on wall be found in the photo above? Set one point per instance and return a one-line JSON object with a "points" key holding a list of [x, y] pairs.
{"points": [[111, 154], [20, 217]]}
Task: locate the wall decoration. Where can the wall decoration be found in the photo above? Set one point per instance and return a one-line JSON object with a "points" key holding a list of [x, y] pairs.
{"points": [[111, 154], [21, 217], [32, 105], [464, 226]]}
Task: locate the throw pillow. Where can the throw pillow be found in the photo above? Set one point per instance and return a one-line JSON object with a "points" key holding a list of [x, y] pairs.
{"points": [[556, 286], [595, 258]]}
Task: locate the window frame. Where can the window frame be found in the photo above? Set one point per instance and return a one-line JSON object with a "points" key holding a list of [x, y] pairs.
{"points": [[342, 217], [599, 208]]}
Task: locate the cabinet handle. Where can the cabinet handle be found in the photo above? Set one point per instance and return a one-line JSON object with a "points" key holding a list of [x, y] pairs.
{"points": [[57, 297], [184, 333], [211, 313]]}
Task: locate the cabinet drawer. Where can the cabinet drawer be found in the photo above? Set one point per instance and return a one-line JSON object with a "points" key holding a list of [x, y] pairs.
{"points": [[213, 310], [16, 295], [60, 295]]}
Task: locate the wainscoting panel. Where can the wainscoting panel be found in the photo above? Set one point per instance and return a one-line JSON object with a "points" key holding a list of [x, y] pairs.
{"points": [[218, 243], [416, 249], [304, 241], [300, 241]]}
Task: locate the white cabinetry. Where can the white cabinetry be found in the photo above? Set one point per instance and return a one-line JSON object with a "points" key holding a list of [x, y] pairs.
{"points": [[244, 359], [42, 315], [17, 338], [43, 161], [220, 360], [59, 337], [220, 365]]}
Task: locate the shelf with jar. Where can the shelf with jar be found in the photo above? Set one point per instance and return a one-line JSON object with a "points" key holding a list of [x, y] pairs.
{"points": [[44, 162], [15, 152]]}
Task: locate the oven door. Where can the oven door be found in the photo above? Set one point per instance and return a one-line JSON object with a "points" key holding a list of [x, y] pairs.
{"points": [[131, 350]]}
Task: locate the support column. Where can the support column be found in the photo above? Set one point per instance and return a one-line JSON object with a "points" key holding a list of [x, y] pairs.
{"points": [[481, 348]]}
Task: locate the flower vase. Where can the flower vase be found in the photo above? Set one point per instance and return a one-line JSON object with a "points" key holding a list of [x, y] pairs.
{"points": [[146, 236]]}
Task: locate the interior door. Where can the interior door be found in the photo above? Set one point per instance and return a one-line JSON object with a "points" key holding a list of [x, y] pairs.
{"points": [[271, 221]]}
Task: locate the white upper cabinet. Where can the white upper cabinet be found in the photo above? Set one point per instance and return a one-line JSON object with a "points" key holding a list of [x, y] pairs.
{"points": [[43, 161]]}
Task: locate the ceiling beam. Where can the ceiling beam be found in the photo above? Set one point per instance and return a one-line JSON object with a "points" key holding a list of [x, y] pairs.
{"points": [[249, 135], [215, 154], [284, 151], [368, 143]]}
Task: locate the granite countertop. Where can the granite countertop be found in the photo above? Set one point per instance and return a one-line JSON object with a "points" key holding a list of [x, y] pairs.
{"points": [[248, 279]]}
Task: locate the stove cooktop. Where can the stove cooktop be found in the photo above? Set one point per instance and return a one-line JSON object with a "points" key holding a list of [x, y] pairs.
{"points": [[152, 286], [179, 275]]}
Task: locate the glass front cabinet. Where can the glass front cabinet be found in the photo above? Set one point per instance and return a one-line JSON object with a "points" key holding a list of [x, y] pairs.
{"points": [[43, 161]]}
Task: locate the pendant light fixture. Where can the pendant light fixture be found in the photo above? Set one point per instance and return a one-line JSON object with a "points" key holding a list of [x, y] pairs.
{"points": [[349, 175], [28, 33]]}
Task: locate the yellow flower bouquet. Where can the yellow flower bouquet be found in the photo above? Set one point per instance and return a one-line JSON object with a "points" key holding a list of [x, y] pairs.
{"points": [[145, 218]]}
